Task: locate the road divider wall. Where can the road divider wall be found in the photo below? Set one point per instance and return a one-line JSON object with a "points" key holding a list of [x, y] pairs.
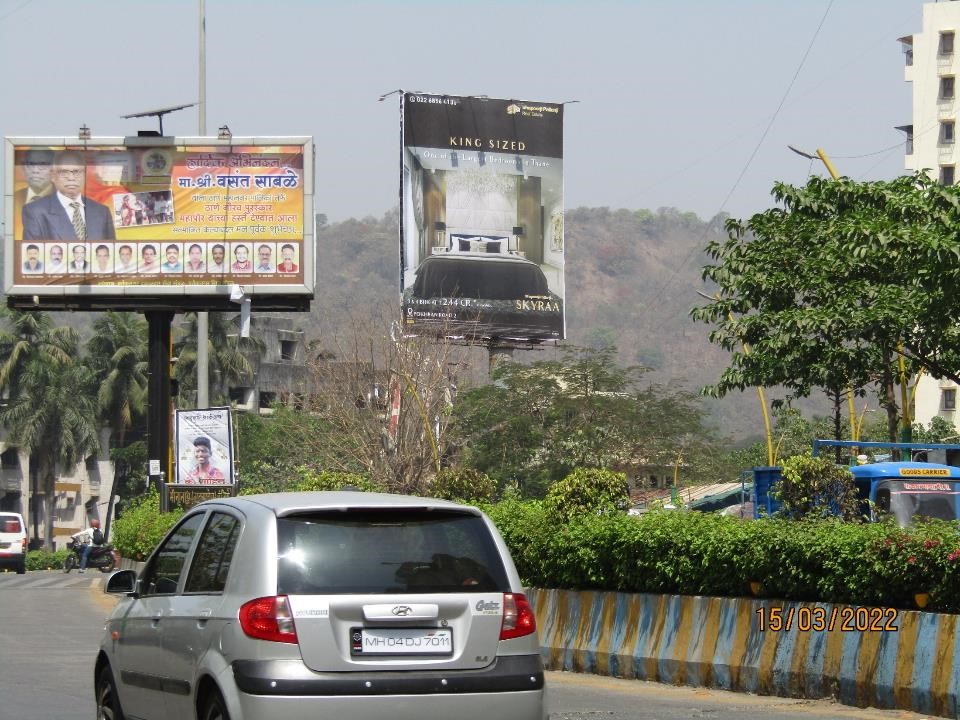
{"points": [[860, 656]]}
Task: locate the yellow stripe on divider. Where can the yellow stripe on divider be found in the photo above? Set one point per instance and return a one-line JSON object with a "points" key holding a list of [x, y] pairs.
{"points": [[581, 641], [607, 627], [832, 655], [906, 648], [656, 636], [797, 682], [708, 647], [628, 648], [560, 622], [768, 655], [942, 679], [681, 640], [745, 617], [867, 658]]}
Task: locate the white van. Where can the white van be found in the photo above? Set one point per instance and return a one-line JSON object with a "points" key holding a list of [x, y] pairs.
{"points": [[13, 542]]}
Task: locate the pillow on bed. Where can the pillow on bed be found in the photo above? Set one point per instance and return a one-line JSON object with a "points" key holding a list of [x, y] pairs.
{"points": [[493, 246], [475, 246], [464, 245]]}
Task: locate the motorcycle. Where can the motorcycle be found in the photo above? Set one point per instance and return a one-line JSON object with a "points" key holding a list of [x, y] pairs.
{"points": [[103, 557]]}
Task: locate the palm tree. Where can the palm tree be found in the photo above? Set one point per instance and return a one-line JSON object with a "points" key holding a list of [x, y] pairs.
{"points": [[51, 413], [118, 358], [31, 335], [228, 358]]}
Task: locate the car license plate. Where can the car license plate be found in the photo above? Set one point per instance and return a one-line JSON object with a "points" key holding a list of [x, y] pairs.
{"points": [[401, 641]]}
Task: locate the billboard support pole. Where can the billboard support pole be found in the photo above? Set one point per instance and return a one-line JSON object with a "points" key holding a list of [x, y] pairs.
{"points": [[158, 393], [497, 355]]}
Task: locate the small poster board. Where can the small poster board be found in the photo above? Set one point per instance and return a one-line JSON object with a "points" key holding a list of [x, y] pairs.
{"points": [[204, 445]]}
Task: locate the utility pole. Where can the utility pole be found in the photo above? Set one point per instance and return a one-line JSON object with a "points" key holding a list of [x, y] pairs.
{"points": [[203, 318]]}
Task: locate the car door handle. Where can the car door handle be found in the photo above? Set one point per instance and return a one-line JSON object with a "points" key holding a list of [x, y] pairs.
{"points": [[155, 621]]}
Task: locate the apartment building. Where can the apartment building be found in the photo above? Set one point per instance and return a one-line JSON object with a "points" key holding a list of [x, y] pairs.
{"points": [[932, 66]]}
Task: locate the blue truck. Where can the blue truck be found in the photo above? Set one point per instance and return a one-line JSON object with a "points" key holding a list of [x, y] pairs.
{"points": [[927, 485]]}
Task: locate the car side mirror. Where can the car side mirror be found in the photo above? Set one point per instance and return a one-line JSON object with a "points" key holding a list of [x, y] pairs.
{"points": [[122, 582]]}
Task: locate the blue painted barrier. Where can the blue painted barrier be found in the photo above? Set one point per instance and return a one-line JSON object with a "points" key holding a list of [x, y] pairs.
{"points": [[719, 642]]}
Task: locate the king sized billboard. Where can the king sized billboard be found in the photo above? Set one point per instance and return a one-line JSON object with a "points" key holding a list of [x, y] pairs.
{"points": [[481, 239], [174, 218]]}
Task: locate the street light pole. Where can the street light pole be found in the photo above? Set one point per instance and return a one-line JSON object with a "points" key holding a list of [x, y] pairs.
{"points": [[203, 327]]}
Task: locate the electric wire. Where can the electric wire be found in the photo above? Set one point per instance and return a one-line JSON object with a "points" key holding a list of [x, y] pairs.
{"points": [[698, 247], [17, 9]]}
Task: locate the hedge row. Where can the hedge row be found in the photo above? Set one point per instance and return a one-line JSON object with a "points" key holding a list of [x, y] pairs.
{"points": [[690, 553]]}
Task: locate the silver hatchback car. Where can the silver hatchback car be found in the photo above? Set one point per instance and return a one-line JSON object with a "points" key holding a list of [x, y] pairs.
{"points": [[329, 604]]}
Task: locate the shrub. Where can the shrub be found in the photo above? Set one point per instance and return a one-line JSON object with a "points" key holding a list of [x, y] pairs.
{"points": [[588, 491], [142, 526], [816, 487], [463, 484], [46, 560]]}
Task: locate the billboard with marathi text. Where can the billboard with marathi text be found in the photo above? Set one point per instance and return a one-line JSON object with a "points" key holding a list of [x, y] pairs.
{"points": [[481, 238], [142, 217]]}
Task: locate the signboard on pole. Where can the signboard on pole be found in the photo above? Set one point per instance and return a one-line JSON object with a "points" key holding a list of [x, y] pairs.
{"points": [[141, 222], [481, 238], [204, 445]]}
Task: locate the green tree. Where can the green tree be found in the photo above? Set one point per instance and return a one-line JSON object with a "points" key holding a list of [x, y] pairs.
{"points": [[117, 354], [816, 487], [538, 422], [228, 358], [587, 491], [31, 334], [828, 286], [463, 484], [52, 409]]}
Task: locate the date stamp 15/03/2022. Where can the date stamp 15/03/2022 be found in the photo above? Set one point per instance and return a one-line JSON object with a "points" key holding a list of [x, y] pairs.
{"points": [[819, 619]]}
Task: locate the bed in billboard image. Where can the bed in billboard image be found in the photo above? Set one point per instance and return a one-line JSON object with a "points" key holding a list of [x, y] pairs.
{"points": [[482, 294]]}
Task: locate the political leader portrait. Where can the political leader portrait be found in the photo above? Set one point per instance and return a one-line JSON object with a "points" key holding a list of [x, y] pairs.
{"points": [[66, 213]]}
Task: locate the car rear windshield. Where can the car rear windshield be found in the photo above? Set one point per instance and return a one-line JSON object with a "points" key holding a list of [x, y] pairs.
{"points": [[9, 524], [380, 552]]}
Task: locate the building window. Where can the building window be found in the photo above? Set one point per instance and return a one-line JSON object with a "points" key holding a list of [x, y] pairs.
{"points": [[946, 87], [288, 349], [267, 399], [242, 397], [9, 460], [947, 128], [946, 42], [950, 399], [947, 174]]}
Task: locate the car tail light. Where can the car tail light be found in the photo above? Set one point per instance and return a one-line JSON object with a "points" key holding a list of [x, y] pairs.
{"points": [[518, 617], [268, 618]]}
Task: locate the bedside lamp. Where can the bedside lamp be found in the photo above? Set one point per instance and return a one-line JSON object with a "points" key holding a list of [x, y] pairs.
{"points": [[441, 229], [517, 234]]}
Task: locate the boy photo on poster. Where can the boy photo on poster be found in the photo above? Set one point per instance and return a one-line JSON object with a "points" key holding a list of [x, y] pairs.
{"points": [[204, 447]]}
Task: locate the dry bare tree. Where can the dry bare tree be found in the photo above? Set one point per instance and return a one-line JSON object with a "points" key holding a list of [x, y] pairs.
{"points": [[387, 400]]}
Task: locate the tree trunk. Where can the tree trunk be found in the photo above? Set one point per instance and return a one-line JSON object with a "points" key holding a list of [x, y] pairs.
{"points": [[890, 396]]}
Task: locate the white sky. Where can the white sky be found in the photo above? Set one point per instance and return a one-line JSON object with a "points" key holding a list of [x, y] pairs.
{"points": [[674, 95]]}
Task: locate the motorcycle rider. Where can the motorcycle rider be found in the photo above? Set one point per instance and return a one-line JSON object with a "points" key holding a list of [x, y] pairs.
{"points": [[89, 537]]}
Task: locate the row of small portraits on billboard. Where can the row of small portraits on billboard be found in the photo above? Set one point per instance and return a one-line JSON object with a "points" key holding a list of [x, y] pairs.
{"points": [[152, 258]]}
